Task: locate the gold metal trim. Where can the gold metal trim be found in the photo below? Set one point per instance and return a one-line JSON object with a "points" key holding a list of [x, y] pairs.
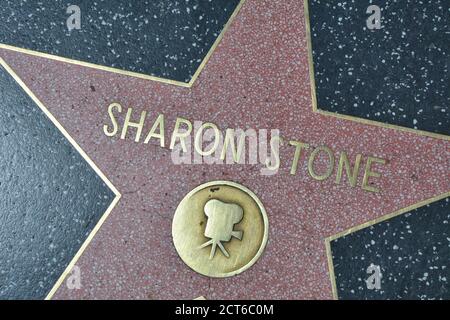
{"points": [[317, 109], [331, 269], [394, 214], [216, 43], [130, 73], [87, 159]]}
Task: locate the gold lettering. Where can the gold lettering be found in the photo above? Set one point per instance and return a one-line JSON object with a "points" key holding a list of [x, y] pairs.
{"points": [[159, 123], [229, 140], [138, 125], [369, 173], [312, 158], [111, 107], [299, 146], [181, 135], [275, 152], [199, 138], [352, 176]]}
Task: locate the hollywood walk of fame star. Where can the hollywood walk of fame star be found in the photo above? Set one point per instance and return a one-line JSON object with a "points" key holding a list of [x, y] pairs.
{"points": [[258, 77]]}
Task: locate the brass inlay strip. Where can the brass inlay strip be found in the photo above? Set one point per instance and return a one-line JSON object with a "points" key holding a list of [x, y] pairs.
{"points": [[216, 43], [91, 164], [394, 214], [317, 109], [131, 73]]}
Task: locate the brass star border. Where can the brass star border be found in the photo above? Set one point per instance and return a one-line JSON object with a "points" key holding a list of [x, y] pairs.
{"points": [[317, 109], [130, 73], [366, 225], [83, 154]]}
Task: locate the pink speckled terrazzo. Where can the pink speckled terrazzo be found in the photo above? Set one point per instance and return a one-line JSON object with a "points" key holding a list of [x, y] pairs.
{"points": [[258, 77]]}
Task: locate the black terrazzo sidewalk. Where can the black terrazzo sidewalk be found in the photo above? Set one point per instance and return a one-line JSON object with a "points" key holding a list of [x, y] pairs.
{"points": [[166, 39], [50, 198], [398, 74], [412, 251]]}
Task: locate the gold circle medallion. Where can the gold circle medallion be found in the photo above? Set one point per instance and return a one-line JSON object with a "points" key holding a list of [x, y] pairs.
{"points": [[220, 229]]}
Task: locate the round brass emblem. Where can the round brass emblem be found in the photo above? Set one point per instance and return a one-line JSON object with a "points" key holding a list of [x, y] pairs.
{"points": [[220, 229]]}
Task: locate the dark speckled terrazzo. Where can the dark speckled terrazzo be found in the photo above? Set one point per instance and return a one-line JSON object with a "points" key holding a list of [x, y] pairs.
{"points": [[50, 198], [412, 250], [167, 39], [398, 74]]}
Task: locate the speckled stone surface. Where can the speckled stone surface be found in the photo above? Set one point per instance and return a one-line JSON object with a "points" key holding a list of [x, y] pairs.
{"points": [[50, 198], [258, 77], [398, 74], [167, 39], [412, 251]]}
